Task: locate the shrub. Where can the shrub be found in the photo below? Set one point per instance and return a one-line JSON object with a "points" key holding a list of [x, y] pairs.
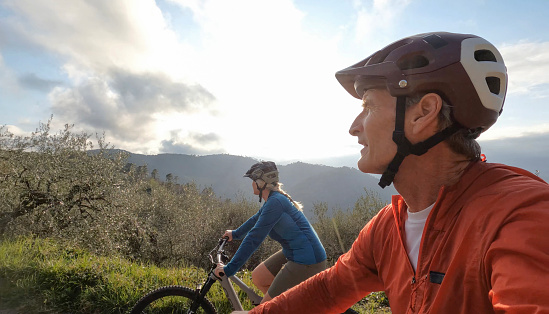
{"points": [[339, 231], [59, 186]]}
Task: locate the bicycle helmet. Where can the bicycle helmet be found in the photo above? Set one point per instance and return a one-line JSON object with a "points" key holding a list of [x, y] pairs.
{"points": [[467, 71], [265, 171]]}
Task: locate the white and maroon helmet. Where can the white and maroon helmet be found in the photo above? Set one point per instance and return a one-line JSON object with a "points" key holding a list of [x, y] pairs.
{"points": [[467, 71]]}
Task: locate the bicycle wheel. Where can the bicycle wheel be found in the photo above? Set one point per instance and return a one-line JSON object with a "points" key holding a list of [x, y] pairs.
{"points": [[350, 311], [171, 299]]}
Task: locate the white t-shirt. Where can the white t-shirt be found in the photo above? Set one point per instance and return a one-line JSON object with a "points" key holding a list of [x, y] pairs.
{"points": [[414, 230]]}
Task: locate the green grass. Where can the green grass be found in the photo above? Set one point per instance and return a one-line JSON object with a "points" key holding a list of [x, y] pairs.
{"points": [[42, 276]]}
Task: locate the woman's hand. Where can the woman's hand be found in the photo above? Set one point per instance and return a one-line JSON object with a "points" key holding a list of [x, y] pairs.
{"points": [[228, 234], [219, 271]]}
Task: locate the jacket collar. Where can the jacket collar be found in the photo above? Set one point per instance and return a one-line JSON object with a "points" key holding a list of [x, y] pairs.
{"points": [[451, 199]]}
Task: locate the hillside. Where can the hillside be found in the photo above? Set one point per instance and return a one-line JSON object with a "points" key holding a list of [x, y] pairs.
{"points": [[307, 183]]}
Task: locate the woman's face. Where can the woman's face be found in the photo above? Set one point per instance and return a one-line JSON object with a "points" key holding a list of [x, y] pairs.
{"points": [[254, 187]]}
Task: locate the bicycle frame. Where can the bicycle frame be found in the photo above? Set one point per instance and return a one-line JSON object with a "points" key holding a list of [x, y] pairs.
{"points": [[225, 281], [231, 293]]}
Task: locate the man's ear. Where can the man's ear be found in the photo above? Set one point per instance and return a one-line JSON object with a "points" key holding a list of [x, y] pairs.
{"points": [[424, 114]]}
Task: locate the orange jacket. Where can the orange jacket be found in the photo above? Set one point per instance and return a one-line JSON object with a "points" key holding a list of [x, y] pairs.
{"points": [[484, 249]]}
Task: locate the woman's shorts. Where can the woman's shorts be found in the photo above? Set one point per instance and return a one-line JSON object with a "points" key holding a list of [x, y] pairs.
{"points": [[288, 274]]}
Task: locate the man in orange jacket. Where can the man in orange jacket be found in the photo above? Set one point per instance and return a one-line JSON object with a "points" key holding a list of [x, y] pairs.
{"points": [[463, 236]]}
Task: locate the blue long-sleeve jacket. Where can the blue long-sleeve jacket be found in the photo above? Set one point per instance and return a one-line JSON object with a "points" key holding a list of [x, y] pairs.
{"points": [[279, 219]]}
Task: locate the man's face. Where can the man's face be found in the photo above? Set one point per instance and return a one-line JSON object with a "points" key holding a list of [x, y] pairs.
{"points": [[374, 128]]}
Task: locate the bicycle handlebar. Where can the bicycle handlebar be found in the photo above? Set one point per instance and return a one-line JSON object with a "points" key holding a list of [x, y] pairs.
{"points": [[219, 255]]}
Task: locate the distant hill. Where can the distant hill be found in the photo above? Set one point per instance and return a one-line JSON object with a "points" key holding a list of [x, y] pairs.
{"points": [[339, 187]]}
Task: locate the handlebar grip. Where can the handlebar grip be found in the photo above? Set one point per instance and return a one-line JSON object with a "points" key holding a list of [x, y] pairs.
{"points": [[221, 274]]}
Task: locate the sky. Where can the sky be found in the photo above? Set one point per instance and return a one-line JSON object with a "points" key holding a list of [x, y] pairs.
{"points": [[245, 77]]}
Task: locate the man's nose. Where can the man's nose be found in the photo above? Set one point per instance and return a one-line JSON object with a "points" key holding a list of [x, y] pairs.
{"points": [[355, 127]]}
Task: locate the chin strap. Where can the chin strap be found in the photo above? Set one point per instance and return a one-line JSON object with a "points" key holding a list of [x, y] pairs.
{"points": [[260, 189], [405, 148]]}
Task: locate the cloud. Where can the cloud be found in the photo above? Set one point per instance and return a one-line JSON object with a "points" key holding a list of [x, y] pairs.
{"points": [[205, 138], [157, 91], [193, 144], [527, 65], [256, 43], [85, 31], [13, 130], [376, 19], [7, 80], [271, 73], [96, 36], [126, 104], [32, 81], [126, 69]]}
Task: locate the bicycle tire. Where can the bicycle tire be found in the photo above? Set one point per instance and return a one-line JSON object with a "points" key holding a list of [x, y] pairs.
{"points": [[350, 311], [171, 299]]}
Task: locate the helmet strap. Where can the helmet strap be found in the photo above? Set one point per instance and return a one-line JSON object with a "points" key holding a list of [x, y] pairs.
{"points": [[260, 189], [405, 148]]}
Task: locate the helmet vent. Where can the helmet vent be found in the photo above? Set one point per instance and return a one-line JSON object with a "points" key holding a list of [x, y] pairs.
{"points": [[493, 84], [435, 41], [485, 55], [412, 62], [381, 55]]}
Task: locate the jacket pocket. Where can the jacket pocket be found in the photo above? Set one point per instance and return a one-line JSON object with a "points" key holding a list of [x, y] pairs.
{"points": [[436, 277]]}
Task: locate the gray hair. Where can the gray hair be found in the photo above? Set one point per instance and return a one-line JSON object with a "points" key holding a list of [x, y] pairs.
{"points": [[459, 142]]}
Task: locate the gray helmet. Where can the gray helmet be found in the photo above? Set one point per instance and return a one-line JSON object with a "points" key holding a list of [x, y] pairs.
{"points": [[265, 170]]}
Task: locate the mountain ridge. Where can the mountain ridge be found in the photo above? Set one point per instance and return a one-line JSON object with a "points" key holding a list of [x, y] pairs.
{"points": [[338, 187]]}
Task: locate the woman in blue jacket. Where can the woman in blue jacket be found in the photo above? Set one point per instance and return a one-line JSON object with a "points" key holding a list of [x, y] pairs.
{"points": [[282, 219]]}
